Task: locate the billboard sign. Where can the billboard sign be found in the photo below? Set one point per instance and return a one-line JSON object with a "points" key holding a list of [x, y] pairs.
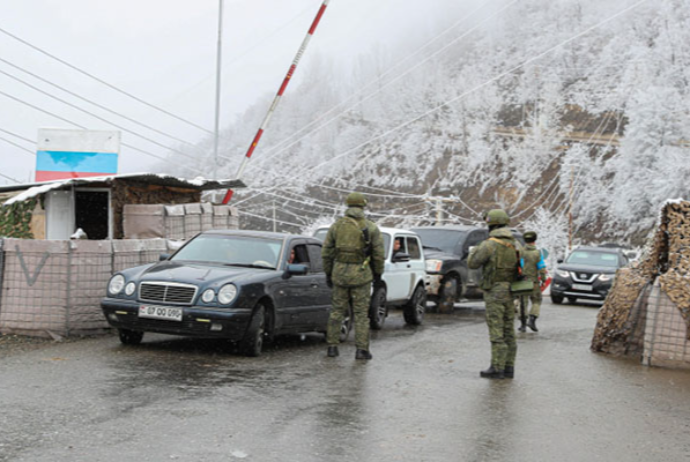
{"points": [[63, 153]]}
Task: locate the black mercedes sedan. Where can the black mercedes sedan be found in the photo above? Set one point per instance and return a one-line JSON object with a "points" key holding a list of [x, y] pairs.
{"points": [[244, 286], [587, 273]]}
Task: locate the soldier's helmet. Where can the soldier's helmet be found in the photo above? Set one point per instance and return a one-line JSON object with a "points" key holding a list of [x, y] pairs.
{"points": [[497, 217], [530, 236], [356, 199]]}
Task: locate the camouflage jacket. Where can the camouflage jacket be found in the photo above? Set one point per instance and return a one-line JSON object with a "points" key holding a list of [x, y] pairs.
{"points": [[533, 266], [344, 250], [498, 261]]}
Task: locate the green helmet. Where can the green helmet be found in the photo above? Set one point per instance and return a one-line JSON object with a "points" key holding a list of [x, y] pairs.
{"points": [[530, 236], [356, 199], [497, 217]]}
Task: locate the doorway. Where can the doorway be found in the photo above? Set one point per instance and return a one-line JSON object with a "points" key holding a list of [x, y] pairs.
{"points": [[92, 212]]}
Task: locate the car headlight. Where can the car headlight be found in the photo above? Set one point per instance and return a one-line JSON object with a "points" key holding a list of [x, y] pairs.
{"points": [[116, 284], [433, 266], [605, 277], [130, 288], [208, 296], [563, 274], [227, 294]]}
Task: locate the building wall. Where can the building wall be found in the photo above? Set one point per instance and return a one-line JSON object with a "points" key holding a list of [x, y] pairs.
{"points": [[130, 193]]}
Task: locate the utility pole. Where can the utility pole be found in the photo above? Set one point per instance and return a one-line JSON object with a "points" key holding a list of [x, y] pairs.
{"points": [[218, 74], [439, 212], [274, 216], [570, 209]]}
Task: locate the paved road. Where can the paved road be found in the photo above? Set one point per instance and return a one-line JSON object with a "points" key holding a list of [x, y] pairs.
{"points": [[420, 399]]}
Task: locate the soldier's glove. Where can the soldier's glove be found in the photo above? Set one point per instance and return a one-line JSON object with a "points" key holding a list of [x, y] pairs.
{"points": [[329, 282], [377, 281]]}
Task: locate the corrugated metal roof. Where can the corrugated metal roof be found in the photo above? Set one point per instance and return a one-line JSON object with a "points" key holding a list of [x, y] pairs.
{"points": [[27, 191]]}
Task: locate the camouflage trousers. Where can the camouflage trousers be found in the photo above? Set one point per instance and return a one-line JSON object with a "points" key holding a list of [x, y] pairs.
{"points": [[535, 297], [360, 298], [500, 317]]}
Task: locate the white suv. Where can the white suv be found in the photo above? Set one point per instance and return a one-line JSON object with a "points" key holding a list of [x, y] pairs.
{"points": [[403, 277]]}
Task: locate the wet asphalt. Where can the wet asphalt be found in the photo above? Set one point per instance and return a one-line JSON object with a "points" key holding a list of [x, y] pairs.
{"points": [[419, 399]]}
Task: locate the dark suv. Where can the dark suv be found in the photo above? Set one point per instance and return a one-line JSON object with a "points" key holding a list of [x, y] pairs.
{"points": [[446, 249], [587, 273]]}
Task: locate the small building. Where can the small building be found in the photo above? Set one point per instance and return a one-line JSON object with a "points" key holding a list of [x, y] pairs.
{"points": [[54, 210]]}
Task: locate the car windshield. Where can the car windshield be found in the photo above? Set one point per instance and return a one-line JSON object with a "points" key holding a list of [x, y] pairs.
{"points": [[232, 250], [321, 234], [444, 239], [582, 257]]}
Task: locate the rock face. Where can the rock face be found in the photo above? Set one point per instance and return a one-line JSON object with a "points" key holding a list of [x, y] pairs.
{"points": [[647, 312]]}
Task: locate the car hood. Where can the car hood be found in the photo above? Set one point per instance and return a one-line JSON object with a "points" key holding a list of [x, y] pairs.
{"points": [[431, 254], [198, 273], [587, 268]]}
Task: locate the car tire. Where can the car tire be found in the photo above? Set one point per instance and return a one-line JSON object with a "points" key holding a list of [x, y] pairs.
{"points": [[378, 310], [572, 300], [557, 299], [130, 337], [346, 326], [448, 294], [414, 311], [253, 340]]}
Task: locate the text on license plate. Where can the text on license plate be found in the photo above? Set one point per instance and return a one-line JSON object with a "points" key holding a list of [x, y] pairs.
{"points": [[160, 312], [586, 287]]}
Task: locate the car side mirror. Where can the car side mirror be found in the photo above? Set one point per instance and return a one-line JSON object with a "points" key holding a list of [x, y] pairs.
{"points": [[294, 269], [559, 261], [401, 257], [163, 257]]}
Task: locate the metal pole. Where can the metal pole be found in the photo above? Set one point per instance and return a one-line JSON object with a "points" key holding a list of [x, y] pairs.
{"points": [[274, 216], [276, 100], [218, 75], [439, 212], [570, 210]]}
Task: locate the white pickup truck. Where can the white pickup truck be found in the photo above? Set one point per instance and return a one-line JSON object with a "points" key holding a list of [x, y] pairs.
{"points": [[403, 277]]}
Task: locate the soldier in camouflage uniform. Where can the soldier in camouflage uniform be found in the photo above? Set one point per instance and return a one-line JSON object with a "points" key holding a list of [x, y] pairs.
{"points": [[353, 257], [498, 257], [533, 269]]}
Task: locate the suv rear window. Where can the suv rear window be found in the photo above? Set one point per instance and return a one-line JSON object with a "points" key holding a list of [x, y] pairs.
{"points": [[581, 257]]}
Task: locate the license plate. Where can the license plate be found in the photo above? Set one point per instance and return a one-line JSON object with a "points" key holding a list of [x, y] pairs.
{"points": [[160, 312], [584, 287]]}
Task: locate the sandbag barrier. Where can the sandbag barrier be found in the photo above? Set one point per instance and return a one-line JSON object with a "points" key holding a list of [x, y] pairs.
{"points": [[647, 312], [54, 288]]}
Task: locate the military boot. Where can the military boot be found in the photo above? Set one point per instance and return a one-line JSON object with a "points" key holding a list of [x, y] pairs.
{"points": [[492, 373], [523, 324], [532, 323], [363, 354], [509, 372], [333, 351]]}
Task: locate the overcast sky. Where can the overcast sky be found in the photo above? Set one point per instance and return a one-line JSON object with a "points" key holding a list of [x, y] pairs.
{"points": [[164, 52]]}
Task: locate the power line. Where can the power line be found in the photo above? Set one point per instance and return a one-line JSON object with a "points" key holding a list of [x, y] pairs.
{"points": [[85, 128], [9, 177], [38, 77], [96, 116], [382, 87], [99, 80], [477, 87], [16, 136], [17, 145]]}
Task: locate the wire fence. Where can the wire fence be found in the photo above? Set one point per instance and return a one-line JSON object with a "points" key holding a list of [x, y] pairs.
{"points": [[666, 341], [50, 288]]}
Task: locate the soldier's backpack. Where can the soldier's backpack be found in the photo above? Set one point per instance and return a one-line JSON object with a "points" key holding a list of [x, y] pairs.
{"points": [[352, 242]]}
